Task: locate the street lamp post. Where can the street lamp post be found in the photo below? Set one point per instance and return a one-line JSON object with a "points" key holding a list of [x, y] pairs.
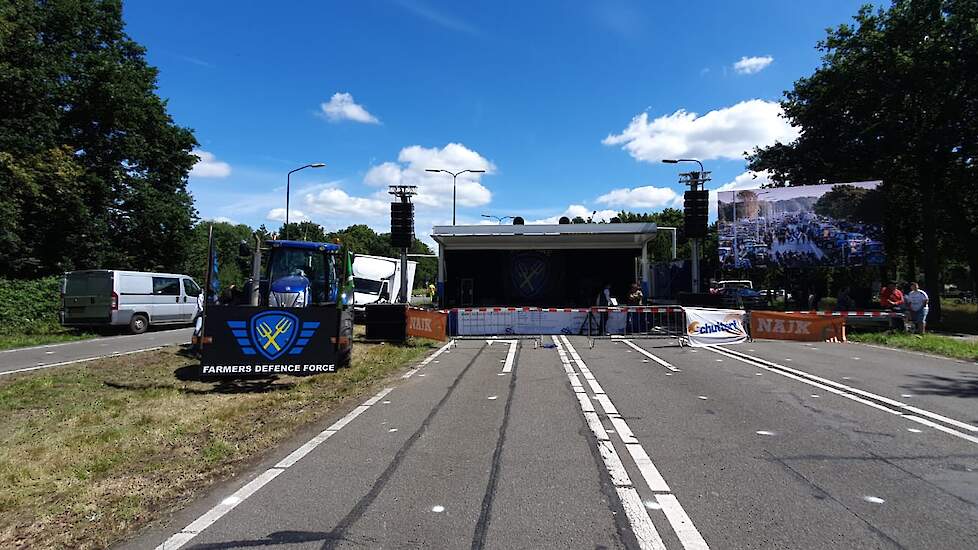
{"points": [[288, 186], [454, 175]]}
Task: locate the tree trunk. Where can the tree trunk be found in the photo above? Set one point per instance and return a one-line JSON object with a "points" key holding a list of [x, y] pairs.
{"points": [[931, 259]]}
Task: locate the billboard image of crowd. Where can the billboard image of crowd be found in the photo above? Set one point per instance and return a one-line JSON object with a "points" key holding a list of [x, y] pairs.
{"points": [[831, 225]]}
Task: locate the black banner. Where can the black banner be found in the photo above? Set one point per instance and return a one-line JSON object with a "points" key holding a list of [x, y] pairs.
{"points": [[262, 341]]}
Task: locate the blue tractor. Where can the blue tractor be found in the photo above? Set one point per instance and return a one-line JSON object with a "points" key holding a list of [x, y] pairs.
{"points": [[295, 315]]}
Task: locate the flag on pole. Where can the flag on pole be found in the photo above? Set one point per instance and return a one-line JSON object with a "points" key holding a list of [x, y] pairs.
{"points": [[215, 282], [348, 285]]}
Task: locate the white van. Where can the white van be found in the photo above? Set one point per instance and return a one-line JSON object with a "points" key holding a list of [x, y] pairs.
{"points": [[101, 297]]}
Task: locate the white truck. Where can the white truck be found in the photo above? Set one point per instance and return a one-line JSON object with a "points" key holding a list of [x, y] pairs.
{"points": [[377, 279]]}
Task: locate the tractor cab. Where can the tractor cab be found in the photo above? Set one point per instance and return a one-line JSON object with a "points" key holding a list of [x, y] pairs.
{"points": [[300, 274]]}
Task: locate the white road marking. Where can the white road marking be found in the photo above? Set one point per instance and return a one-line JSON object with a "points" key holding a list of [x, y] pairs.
{"points": [[48, 353], [642, 526], [647, 468], [905, 395], [764, 432], [874, 500], [229, 503], [429, 359], [915, 430], [658, 360], [688, 535], [852, 393], [392, 430], [75, 361], [437, 509], [635, 510], [493, 397], [703, 397]]}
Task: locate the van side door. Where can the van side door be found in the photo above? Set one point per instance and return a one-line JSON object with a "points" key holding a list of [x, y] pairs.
{"points": [[167, 297], [188, 304]]}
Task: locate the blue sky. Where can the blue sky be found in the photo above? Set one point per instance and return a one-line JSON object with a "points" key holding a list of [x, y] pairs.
{"points": [[568, 105]]}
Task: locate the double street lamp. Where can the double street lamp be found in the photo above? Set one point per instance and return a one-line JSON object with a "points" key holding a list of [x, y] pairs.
{"points": [[288, 185], [454, 175]]}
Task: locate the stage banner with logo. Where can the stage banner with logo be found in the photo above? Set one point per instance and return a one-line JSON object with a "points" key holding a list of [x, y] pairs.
{"points": [[706, 327], [796, 326], [253, 341], [425, 323]]}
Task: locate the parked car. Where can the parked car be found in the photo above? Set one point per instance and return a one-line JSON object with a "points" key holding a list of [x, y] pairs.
{"points": [[134, 299]]}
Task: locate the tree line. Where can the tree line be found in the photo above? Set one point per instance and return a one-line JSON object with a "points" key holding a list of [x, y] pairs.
{"points": [[896, 99]]}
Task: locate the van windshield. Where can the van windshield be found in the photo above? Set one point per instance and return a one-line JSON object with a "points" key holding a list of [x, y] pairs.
{"points": [[366, 286]]}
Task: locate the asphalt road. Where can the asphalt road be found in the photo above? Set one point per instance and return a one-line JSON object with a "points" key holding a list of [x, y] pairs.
{"points": [[69, 353], [626, 445]]}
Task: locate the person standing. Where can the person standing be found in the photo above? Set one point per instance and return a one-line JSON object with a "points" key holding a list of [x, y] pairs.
{"points": [[891, 298], [603, 301], [634, 299], [917, 302]]}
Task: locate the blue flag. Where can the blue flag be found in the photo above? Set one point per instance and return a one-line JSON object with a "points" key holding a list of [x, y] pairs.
{"points": [[215, 282]]}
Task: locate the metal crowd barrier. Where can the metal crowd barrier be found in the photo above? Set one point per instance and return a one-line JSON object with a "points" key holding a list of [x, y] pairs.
{"points": [[637, 322]]}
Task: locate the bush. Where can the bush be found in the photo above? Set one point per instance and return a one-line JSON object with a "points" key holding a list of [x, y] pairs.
{"points": [[30, 306]]}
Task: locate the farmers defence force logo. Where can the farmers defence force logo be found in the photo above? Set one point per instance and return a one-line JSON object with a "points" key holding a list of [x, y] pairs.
{"points": [[273, 334]]}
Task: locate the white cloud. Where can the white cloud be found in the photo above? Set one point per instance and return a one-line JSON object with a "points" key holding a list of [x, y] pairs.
{"points": [[723, 133], [575, 210], [208, 166], [342, 107], [646, 196], [751, 65], [435, 189], [223, 219], [278, 215], [333, 201]]}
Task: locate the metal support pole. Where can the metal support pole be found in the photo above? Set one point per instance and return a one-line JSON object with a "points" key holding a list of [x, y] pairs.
{"points": [[255, 272], [695, 264]]}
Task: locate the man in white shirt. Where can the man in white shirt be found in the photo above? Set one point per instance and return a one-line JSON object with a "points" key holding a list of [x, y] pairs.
{"points": [[917, 302]]}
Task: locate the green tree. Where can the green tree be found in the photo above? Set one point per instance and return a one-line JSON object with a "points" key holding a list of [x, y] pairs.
{"points": [[81, 128], [232, 268], [895, 99]]}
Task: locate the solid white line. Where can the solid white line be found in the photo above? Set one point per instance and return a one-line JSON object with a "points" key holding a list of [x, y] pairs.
{"points": [[681, 524], [595, 387], [649, 472], [887, 400], [606, 404], [662, 362], [596, 426], [638, 517], [619, 476], [85, 360], [944, 429], [186, 534]]}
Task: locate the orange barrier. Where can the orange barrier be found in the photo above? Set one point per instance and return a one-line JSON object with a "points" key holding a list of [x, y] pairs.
{"points": [[425, 323], [804, 327]]}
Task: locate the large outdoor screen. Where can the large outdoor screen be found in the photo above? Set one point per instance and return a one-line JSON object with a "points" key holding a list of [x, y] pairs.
{"points": [[831, 225]]}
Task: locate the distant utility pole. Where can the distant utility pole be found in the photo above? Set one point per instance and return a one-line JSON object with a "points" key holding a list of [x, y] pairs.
{"points": [[696, 206], [455, 176]]}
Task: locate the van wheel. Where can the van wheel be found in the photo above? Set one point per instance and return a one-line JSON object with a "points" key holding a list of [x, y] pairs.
{"points": [[138, 324]]}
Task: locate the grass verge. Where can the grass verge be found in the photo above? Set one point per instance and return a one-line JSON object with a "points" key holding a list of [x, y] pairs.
{"points": [[10, 341], [90, 454], [929, 343]]}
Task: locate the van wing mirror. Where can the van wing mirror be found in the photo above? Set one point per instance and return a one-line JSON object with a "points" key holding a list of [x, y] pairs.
{"points": [[244, 249]]}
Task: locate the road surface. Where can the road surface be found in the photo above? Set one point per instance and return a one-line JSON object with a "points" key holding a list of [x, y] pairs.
{"points": [[70, 353], [637, 444]]}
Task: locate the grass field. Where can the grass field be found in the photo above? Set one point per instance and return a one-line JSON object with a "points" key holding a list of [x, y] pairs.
{"points": [[929, 343], [90, 454]]}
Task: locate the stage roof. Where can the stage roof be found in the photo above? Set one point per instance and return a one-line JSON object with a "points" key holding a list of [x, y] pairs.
{"points": [[541, 237]]}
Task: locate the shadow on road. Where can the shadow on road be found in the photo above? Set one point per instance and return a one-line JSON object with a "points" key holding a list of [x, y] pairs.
{"points": [[273, 539], [932, 384], [191, 373]]}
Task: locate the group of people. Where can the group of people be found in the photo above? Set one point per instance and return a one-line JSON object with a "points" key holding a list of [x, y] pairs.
{"points": [[914, 303], [636, 297]]}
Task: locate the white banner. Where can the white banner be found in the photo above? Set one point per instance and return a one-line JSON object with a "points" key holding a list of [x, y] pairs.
{"points": [[473, 322], [706, 327]]}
